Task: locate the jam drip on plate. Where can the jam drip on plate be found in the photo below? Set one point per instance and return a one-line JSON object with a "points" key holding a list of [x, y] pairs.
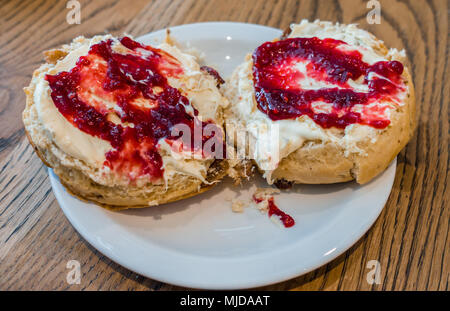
{"points": [[279, 94], [286, 219], [125, 99]]}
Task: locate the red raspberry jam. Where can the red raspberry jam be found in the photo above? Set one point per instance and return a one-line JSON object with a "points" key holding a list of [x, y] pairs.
{"points": [[286, 219], [135, 84], [279, 95]]}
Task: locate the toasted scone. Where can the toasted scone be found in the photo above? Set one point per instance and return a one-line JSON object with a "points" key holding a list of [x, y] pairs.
{"points": [[325, 103], [102, 113]]}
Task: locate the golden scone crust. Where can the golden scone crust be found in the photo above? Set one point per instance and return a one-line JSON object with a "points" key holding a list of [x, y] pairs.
{"points": [[324, 162], [116, 197]]}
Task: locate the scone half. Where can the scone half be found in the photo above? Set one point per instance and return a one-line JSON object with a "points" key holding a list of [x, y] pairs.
{"points": [[331, 101], [110, 115]]}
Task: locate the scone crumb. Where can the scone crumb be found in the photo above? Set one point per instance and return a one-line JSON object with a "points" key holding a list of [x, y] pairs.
{"points": [[261, 198], [265, 192], [237, 206], [262, 206]]}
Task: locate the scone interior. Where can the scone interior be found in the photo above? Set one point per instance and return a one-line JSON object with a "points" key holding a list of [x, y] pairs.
{"points": [[325, 103], [124, 124]]}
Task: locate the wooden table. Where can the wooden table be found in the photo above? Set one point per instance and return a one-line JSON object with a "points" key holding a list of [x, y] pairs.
{"points": [[409, 239]]}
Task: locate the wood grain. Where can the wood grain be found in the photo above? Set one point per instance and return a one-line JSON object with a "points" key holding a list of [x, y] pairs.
{"points": [[410, 238]]}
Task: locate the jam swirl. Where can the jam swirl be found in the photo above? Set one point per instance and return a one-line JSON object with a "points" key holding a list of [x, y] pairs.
{"points": [[280, 96], [125, 80], [273, 209]]}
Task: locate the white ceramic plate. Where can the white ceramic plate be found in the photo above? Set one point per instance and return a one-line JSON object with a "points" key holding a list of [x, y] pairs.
{"points": [[199, 242]]}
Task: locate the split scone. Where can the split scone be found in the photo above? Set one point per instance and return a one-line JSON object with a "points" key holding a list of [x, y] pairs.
{"points": [[127, 125], [324, 103]]}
